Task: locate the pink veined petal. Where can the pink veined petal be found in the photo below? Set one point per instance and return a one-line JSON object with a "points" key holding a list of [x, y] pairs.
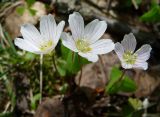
{"points": [[102, 46], [143, 53], [48, 27], [129, 42], [119, 50], [59, 31], [76, 24], [141, 65], [30, 33], [94, 30], [68, 42], [26, 45], [89, 56]]}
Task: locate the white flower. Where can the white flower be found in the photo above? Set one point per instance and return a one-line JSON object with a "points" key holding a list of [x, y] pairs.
{"points": [[129, 59], [85, 40], [41, 42]]}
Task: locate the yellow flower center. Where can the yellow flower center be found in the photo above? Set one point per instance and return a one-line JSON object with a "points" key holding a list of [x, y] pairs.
{"points": [[129, 57], [46, 45], [83, 46]]}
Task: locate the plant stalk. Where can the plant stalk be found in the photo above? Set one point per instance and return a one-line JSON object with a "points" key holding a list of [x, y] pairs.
{"points": [[81, 65], [41, 77], [54, 63]]}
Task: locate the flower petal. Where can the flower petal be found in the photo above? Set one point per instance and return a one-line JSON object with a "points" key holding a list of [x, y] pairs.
{"points": [[91, 57], [48, 27], [30, 33], [26, 45], [59, 31], [102, 46], [129, 42], [68, 42], [119, 50], [94, 30], [143, 53], [76, 24], [141, 65], [126, 66]]}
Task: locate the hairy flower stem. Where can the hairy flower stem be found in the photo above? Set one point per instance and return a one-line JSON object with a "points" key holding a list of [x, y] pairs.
{"points": [[145, 112], [54, 62], [73, 57], [103, 68], [121, 78], [80, 76], [41, 77]]}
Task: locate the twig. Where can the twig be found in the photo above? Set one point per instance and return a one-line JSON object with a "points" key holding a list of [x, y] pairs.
{"points": [[9, 9], [3, 37], [108, 5], [135, 4], [7, 106]]}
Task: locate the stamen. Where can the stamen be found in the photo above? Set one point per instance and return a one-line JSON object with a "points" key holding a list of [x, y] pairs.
{"points": [[129, 57], [46, 45], [83, 46]]}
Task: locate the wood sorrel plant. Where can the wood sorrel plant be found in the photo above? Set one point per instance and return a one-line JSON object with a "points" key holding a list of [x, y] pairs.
{"points": [[42, 42], [85, 41]]}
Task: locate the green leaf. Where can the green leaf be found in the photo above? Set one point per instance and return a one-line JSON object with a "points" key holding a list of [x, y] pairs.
{"points": [[128, 85], [133, 108], [135, 103], [116, 85], [73, 64], [154, 3], [7, 114], [29, 56], [114, 77], [34, 100], [152, 15], [32, 11], [10, 43], [3, 74], [61, 67], [127, 110], [20, 10], [30, 2], [73, 61], [64, 51]]}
